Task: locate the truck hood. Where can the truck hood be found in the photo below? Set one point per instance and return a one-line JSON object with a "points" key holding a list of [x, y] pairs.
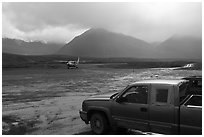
{"points": [[105, 96]]}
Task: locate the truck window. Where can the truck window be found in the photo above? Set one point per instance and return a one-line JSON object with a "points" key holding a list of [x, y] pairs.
{"points": [[162, 95], [196, 83], [194, 101], [136, 94], [199, 84]]}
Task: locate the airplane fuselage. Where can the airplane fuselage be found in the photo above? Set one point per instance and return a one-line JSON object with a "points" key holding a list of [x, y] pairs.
{"points": [[72, 64]]}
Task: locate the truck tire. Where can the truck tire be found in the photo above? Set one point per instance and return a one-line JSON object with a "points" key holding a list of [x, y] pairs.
{"points": [[99, 123]]}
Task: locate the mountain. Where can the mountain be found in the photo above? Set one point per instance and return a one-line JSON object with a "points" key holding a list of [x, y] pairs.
{"points": [[185, 47], [16, 46], [102, 43]]}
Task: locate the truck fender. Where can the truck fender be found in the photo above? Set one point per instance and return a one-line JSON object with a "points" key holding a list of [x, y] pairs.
{"points": [[104, 110]]}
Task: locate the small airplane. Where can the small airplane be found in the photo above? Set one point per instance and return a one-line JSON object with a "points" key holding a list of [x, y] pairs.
{"points": [[73, 64]]}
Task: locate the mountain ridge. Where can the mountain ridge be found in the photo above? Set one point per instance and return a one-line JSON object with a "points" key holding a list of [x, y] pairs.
{"points": [[21, 47], [102, 43], [110, 44]]}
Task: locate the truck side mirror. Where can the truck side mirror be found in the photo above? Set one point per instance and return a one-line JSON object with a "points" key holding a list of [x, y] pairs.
{"points": [[121, 99]]}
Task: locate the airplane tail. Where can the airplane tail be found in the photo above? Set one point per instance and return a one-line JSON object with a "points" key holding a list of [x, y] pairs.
{"points": [[78, 60]]}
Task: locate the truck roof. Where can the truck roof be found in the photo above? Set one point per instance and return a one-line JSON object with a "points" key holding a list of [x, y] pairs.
{"points": [[160, 81], [193, 78]]}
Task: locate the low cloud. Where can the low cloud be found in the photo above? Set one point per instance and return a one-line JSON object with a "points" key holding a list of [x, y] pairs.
{"points": [[60, 22], [55, 34], [59, 34]]}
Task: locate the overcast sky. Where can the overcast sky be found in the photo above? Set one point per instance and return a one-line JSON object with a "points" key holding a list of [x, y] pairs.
{"points": [[61, 22]]}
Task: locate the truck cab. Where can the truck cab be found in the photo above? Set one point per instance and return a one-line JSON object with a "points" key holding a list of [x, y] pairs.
{"points": [[159, 106]]}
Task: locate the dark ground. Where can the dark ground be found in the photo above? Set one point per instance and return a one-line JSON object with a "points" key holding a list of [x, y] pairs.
{"points": [[46, 100]]}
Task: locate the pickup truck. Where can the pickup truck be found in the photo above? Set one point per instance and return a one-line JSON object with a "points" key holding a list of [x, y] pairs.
{"points": [[159, 106]]}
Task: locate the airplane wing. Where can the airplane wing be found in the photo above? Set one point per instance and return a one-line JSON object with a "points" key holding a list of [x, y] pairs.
{"points": [[60, 61]]}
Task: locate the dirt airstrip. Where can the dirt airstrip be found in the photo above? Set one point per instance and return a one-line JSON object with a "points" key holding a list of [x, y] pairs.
{"points": [[47, 101]]}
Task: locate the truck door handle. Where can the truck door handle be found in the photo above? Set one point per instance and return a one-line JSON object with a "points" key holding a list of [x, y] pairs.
{"points": [[143, 109]]}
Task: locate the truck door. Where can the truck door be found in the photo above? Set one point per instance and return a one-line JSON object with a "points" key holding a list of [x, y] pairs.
{"points": [[130, 110], [161, 109], [191, 116]]}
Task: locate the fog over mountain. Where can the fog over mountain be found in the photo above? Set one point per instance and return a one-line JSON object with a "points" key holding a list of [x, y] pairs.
{"points": [[102, 43], [62, 21], [181, 47], [130, 29], [16, 46]]}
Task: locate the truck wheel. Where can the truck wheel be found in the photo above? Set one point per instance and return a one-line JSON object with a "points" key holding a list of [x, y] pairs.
{"points": [[99, 123]]}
